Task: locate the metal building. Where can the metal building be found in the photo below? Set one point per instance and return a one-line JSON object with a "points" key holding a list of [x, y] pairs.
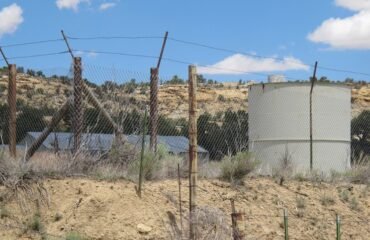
{"points": [[102, 143], [280, 125]]}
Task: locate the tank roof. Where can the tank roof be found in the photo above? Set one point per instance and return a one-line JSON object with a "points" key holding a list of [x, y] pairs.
{"points": [[304, 83]]}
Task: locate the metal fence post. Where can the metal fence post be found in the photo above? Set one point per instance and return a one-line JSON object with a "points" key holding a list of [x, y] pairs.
{"points": [[12, 102], [153, 108], [313, 80], [338, 227], [143, 129], [193, 157], [286, 234], [77, 111], [236, 218]]}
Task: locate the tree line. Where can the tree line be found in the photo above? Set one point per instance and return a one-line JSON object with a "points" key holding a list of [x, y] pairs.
{"points": [[224, 133], [221, 134]]}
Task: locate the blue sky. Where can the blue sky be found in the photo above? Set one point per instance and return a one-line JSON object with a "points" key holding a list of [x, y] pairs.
{"points": [[334, 32]]}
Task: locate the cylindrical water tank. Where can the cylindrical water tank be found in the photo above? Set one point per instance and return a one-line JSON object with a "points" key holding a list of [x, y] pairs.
{"points": [[279, 126], [276, 78]]}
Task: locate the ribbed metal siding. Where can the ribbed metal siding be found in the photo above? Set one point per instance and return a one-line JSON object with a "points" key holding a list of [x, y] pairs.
{"points": [[279, 125]]}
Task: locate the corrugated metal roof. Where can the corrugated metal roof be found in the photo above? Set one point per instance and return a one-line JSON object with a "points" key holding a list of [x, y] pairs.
{"points": [[103, 142]]}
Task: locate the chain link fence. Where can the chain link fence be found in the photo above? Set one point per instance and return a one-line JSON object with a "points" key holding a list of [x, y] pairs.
{"points": [[273, 120], [100, 116]]}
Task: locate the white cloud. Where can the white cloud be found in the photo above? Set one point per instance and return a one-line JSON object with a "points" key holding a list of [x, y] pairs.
{"points": [[105, 6], [238, 64], [10, 19], [70, 4], [354, 5], [346, 33], [90, 54]]}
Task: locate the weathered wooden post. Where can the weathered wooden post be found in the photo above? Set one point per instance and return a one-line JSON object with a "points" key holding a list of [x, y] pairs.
{"points": [[153, 108], [12, 102], [193, 157], [57, 117], [77, 103]]}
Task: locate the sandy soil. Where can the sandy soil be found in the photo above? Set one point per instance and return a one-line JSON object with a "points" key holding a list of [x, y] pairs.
{"points": [[112, 210]]}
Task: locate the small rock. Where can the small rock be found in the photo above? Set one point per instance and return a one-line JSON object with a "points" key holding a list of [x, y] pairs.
{"points": [[143, 228]]}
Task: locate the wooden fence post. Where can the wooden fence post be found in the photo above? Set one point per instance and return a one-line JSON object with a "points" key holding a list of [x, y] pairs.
{"points": [[57, 117], [193, 157], [77, 106], [153, 108], [12, 102]]}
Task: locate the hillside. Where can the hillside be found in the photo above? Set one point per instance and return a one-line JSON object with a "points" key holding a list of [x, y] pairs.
{"points": [[52, 92], [112, 210]]}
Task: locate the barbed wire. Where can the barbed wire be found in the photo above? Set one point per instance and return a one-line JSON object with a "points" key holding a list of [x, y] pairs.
{"points": [[223, 50], [114, 37], [31, 43], [177, 61], [333, 69], [36, 55]]}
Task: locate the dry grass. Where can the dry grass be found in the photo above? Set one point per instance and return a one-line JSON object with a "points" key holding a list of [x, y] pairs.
{"points": [[212, 224], [327, 199], [21, 182], [285, 168]]}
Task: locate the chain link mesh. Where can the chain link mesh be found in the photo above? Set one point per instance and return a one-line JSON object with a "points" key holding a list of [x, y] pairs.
{"points": [[229, 115]]}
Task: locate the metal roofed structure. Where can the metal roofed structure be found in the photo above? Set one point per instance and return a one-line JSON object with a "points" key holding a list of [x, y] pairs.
{"points": [[98, 142]]}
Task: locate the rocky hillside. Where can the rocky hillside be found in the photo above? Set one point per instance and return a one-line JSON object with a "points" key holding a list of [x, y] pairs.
{"points": [[100, 210], [52, 92]]}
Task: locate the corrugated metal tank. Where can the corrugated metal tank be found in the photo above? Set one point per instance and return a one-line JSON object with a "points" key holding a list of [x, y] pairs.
{"points": [[279, 125]]}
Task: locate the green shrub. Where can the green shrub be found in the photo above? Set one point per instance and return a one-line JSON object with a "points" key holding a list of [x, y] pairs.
{"points": [[58, 217], [151, 163], [301, 202], [354, 204], [74, 236], [221, 98], [344, 195], [235, 168], [4, 213], [40, 91], [35, 224]]}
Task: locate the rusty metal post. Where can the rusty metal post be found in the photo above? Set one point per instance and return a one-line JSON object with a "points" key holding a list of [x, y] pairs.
{"points": [[313, 81], [153, 108], [77, 105], [12, 102], [193, 157], [236, 217], [180, 198]]}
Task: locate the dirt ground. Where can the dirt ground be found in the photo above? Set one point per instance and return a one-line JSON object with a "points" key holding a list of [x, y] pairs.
{"points": [[112, 210]]}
